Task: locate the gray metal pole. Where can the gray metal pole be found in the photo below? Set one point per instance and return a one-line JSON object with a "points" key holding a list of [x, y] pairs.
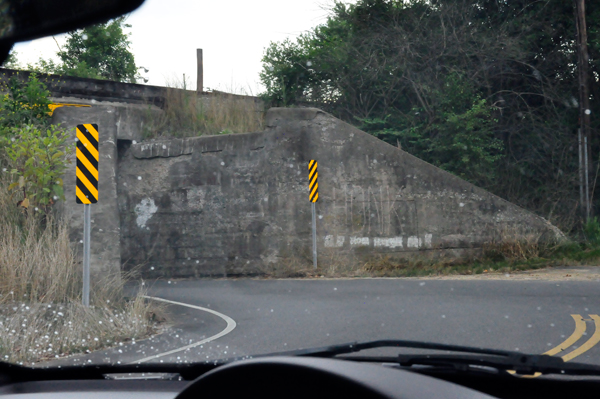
{"points": [[587, 185], [581, 201], [314, 234], [86, 254]]}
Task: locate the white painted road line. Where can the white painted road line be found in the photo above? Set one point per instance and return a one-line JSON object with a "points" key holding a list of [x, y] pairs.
{"points": [[230, 327]]}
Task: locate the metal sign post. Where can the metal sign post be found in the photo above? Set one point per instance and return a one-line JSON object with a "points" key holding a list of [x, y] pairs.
{"points": [[313, 187], [86, 191], [314, 234], [86, 254]]}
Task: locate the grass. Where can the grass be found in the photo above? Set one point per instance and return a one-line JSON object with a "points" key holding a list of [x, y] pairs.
{"points": [[41, 315], [504, 255], [187, 115]]}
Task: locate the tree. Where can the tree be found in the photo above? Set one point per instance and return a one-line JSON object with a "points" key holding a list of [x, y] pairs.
{"points": [[100, 51], [378, 65], [11, 61], [486, 89]]}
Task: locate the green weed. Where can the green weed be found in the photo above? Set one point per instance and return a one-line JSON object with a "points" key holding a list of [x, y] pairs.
{"points": [[187, 114]]}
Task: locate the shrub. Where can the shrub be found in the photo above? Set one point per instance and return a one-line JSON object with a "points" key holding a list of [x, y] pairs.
{"points": [[591, 230], [36, 160], [26, 103]]}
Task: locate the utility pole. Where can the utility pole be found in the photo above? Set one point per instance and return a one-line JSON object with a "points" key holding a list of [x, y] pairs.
{"points": [[584, 97], [200, 76]]}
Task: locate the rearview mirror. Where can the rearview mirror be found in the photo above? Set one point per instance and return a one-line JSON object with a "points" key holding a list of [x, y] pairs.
{"points": [[22, 20]]}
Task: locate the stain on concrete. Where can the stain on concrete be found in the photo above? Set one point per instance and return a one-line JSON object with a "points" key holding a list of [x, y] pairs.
{"points": [[144, 211]]}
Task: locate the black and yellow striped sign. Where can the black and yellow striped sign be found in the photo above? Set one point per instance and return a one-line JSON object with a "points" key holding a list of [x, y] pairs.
{"points": [[313, 185], [86, 188]]}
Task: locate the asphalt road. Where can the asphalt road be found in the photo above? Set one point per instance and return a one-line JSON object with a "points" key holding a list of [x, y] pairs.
{"points": [[279, 315]]}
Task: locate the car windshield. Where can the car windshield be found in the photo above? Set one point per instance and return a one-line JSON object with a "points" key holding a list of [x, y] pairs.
{"points": [[200, 180]]}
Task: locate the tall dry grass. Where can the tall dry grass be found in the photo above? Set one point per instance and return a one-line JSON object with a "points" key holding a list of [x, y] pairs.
{"points": [[35, 332], [515, 245], [37, 264], [185, 114], [41, 315], [331, 262]]}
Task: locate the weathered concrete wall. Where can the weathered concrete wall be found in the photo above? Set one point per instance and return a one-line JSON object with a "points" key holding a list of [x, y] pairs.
{"points": [[233, 203], [230, 204]]}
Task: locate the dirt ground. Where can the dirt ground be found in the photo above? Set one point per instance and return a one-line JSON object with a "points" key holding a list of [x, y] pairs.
{"points": [[580, 273]]}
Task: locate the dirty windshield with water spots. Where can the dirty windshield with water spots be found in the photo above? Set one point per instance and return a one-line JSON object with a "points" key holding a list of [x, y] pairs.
{"points": [[306, 175]]}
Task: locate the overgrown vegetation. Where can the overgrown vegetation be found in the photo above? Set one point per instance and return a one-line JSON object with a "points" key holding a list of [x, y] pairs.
{"points": [[487, 89], [41, 315], [185, 114], [24, 104], [33, 152], [36, 163]]}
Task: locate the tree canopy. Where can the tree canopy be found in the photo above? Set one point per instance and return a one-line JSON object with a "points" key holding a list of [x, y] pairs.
{"points": [[485, 89], [100, 51]]}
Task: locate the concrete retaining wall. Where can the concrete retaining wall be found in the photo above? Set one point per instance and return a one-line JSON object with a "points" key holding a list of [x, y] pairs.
{"points": [[230, 204]]}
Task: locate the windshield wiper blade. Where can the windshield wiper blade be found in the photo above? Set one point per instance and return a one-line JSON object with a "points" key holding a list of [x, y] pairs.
{"points": [[499, 359], [351, 347], [521, 364]]}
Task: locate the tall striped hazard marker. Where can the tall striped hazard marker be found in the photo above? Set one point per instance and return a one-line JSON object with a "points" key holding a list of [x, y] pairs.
{"points": [[313, 197], [313, 185], [87, 164], [86, 191]]}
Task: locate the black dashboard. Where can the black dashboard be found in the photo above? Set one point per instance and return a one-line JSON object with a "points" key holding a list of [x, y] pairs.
{"points": [[266, 378], [282, 376]]}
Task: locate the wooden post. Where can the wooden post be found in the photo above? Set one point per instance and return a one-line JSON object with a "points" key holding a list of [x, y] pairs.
{"points": [[200, 80]]}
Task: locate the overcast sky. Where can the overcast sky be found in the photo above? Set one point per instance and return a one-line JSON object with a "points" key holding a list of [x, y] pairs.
{"points": [[232, 33]]}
